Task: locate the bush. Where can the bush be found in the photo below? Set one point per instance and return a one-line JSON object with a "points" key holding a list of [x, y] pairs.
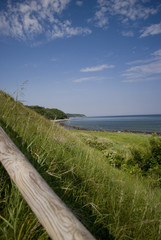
{"points": [[155, 144], [148, 163]]}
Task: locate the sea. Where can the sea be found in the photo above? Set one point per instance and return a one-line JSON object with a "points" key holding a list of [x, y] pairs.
{"points": [[131, 123]]}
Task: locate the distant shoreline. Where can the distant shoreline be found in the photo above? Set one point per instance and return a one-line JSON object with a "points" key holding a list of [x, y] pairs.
{"points": [[59, 120], [70, 127], [145, 124]]}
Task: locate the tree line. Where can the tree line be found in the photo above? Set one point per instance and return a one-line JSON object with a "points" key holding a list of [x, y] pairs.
{"points": [[49, 113]]}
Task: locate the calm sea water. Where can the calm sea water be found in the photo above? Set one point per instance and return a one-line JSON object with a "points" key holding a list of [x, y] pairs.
{"points": [[138, 123]]}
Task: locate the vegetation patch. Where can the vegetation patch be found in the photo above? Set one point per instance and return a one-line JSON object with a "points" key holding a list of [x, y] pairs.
{"points": [[70, 115], [137, 158], [49, 113]]}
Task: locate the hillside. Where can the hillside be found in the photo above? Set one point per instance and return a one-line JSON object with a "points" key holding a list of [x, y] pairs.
{"points": [[53, 113], [71, 115], [49, 113], [110, 202]]}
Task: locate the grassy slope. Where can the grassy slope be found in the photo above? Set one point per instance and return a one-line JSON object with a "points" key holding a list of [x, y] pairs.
{"points": [[120, 141], [108, 201], [138, 154]]}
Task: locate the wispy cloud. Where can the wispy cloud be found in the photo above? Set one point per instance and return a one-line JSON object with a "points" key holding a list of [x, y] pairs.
{"points": [[85, 79], [28, 19], [128, 33], [65, 29], [151, 30], [157, 53], [144, 70], [53, 59], [79, 3], [96, 68], [126, 10]]}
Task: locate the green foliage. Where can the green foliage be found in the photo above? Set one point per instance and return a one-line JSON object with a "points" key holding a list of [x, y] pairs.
{"points": [[115, 159], [155, 147], [142, 161], [16, 219], [95, 142], [149, 162], [70, 115], [49, 113]]}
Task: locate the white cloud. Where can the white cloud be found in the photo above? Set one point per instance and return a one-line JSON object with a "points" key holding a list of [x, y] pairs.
{"points": [[101, 17], [151, 30], [157, 53], [85, 79], [79, 3], [140, 61], [53, 59], [147, 79], [126, 9], [144, 70], [128, 33], [65, 29], [97, 68], [29, 19]]}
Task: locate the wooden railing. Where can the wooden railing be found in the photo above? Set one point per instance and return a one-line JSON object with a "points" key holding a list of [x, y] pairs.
{"points": [[52, 213]]}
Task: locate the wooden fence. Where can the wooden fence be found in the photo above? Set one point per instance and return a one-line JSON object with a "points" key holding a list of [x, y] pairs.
{"points": [[52, 213]]}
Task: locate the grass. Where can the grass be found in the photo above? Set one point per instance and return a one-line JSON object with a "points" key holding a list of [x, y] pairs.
{"points": [[138, 154], [119, 140], [113, 142], [111, 203], [16, 219]]}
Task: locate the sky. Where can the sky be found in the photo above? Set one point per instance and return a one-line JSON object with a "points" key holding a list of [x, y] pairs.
{"points": [[95, 57]]}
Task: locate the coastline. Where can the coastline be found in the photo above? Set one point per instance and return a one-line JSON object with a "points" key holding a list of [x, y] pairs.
{"points": [[70, 127], [59, 120]]}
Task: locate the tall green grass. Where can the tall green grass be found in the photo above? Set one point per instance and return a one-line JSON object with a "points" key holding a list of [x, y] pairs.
{"points": [[138, 154], [112, 204]]}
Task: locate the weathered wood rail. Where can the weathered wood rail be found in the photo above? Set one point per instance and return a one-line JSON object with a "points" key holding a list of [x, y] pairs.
{"points": [[52, 213]]}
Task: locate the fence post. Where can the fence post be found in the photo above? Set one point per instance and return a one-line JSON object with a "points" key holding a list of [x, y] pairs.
{"points": [[52, 213]]}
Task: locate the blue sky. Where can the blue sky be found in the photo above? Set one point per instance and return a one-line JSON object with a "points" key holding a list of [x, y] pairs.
{"points": [[97, 57]]}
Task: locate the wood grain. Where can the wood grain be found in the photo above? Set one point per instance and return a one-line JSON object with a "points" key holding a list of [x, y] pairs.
{"points": [[52, 213]]}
